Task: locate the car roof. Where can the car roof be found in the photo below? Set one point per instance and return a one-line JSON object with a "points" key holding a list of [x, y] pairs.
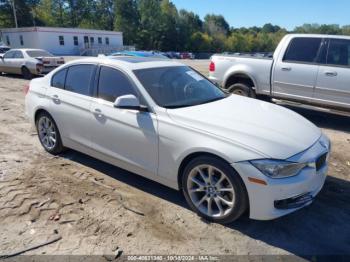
{"points": [[27, 49], [320, 36], [129, 62], [139, 54]]}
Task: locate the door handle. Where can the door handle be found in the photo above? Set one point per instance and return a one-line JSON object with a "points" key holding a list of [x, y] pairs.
{"points": [[286, 69], [98, 112], [330, 73], [55, 98]]}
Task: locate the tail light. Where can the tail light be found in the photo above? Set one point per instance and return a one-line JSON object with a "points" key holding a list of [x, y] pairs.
{"points": [[46, 62], [212, 67], [26, 89], [60, 62]]}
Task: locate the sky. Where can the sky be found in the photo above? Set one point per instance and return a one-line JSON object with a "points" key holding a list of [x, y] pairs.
{"points": [[287, 14]]}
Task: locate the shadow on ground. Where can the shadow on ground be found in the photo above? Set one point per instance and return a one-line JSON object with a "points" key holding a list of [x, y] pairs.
{"points": [[325, 120], [320, 229]]}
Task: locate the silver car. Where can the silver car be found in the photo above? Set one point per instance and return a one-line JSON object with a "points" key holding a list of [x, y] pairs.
{"points": [[28, 62]]}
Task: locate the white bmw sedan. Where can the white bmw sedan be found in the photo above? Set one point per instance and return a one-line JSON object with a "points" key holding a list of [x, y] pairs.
{"points": [[163, 120]]}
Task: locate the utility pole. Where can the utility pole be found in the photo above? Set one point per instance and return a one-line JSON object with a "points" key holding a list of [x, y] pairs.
{"points": [[14, 12], [33, 17]]}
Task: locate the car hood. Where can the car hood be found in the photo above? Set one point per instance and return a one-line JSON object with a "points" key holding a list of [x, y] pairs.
{"points": [[271, 130]]}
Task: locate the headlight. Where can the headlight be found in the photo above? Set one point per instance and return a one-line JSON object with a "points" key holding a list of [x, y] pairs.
{"points": [[278, 168]]}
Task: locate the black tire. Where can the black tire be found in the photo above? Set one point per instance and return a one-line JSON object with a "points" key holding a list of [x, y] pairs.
{"points": [[58, 146], [240, 193], [242, 90], [26, 73]]}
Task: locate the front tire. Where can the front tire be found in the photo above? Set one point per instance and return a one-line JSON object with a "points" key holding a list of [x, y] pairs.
{"points": [[26, 73], [48, 133], [214, 190], [241, 90]]}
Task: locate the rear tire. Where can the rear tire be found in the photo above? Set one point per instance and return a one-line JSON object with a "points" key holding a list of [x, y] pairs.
{"points": [[26, 73], [214, 190], [242, 90], [48, 133]]}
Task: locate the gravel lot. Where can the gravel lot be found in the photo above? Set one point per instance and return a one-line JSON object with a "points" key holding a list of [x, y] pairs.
{"points": [[97, 208]]}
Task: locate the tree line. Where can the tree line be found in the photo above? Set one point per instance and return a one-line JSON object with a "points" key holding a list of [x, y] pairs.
{"points": [[153, 24]]}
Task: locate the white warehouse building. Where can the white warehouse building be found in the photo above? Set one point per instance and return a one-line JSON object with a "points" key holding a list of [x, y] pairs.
{"points": [[63, 41]]}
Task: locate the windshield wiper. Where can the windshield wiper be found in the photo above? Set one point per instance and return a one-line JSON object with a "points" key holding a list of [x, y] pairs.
{"points": [[211, 100], [188, 105]]}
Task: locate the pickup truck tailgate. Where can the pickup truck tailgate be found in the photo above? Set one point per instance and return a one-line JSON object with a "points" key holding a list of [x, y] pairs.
{"points": [[223, 68]]}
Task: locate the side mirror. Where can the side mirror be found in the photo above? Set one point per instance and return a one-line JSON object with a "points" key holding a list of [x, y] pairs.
{"points": [[130, 102]]}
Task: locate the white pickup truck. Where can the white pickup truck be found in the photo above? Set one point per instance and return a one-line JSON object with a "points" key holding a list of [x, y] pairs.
{"points": [[311, 71]]}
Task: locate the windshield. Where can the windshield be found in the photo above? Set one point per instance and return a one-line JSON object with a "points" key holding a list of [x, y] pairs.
{"points": [[178, 86], [38, 53]]}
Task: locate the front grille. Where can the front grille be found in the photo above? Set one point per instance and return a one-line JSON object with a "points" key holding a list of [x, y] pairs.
{"points": [[321, 161]]}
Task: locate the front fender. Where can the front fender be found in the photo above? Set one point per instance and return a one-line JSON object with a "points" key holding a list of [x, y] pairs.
{"points": [[177, 141]]}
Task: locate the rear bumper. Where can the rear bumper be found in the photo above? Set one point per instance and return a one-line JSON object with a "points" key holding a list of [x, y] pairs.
{"points": [[46, 69], [283, 196]]}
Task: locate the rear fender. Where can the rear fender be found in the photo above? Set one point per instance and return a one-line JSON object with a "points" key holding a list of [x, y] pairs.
{"points": [[240, 70]]}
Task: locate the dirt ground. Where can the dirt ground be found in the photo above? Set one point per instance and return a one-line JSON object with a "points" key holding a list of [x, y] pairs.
{"points": [[97, 208]]}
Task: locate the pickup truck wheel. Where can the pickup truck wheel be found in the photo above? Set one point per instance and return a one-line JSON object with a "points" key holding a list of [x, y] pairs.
{"points": [[26, 73], [241, 90], [214, 190]]}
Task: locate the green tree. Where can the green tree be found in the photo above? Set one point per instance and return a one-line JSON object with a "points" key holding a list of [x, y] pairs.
{"points": [[269, 28], [215, 24], [149, 31], [6, 15], [201, 42], [346, 30], [168, 25], [187, 24], [24, 13], [127, 20]]}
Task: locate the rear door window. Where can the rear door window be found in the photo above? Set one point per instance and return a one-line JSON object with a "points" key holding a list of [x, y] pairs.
{"points": [[113, 83], [303, 50], [18, 55], [339, 52], [59, 79], [79, 79]]}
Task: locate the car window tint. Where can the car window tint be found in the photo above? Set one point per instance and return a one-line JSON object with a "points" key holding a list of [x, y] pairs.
{"points": [[113, 83], [339, 52], [59, 78], [18, 54], [303, 50], [79, 78], [4, 49], [39, 53], [9, 54], [178, 86]]}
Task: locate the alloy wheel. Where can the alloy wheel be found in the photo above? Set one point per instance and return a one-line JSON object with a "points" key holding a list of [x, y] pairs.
{"points": [[211, 191], [47, 132]]}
